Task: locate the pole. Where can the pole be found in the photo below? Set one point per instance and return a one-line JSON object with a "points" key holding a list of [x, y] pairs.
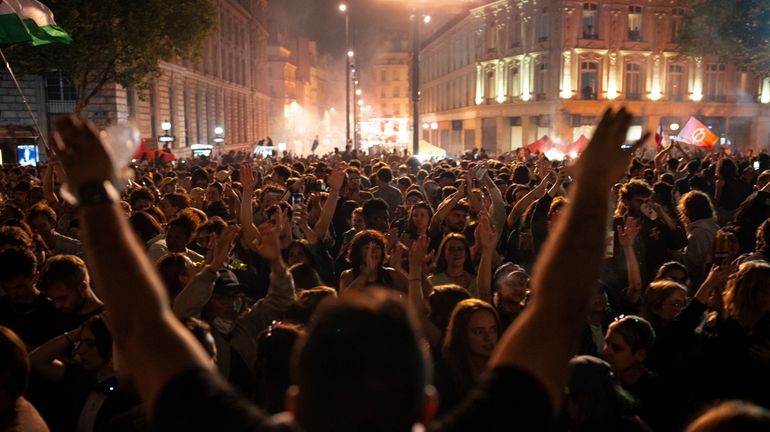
{"points": [[355, 113], [347, 79], [415, 84], [26, 104]]}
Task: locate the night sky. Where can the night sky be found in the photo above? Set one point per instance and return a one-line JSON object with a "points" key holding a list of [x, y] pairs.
{"points": [[372, 21]]}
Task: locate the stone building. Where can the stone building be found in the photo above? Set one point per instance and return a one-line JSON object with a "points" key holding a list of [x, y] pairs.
{"points": [[391, 81], [506, 73], [225, 88], [303, 91]]}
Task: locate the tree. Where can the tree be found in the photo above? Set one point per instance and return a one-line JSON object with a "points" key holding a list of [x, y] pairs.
{"points": [[737, 31], [119, 41]]}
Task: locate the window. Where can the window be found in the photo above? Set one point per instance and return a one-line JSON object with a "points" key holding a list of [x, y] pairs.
{"points": [[633, 81], [490, 85], [396, 92], [589, 80], [383, 93], [394, 75], [514, 32], [590, 21], [635, 23], [396, 109], [383, 76], [541, 82], [514, 83], [542, 26], [490, 36], [59, 88], [676, 23], [714, 87], [676, 82]]}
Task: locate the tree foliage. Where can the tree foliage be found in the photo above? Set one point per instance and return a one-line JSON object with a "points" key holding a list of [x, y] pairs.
{"points": [[737, 31], [119, 41]]}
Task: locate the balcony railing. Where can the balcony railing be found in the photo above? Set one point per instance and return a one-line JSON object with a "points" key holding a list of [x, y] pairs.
{"points": [[634, 35], [61, 107]]}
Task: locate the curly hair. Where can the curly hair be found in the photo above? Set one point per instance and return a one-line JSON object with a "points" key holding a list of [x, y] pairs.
{"points": [[747, 293], [356, 252]]}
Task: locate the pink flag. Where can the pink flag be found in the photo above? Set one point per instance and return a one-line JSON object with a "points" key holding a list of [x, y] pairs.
{"points": [[697, 134]]}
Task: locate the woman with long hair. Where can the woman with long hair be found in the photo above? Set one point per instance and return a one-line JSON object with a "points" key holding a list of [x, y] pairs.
{"points": [[454, 264], [420, 216], [471, 337]]}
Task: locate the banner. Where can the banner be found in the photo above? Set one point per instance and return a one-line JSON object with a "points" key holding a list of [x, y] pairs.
{"points": [[697, 134]]}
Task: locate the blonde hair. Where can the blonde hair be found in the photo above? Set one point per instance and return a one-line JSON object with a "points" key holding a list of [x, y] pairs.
{"points": [[747, 293]]}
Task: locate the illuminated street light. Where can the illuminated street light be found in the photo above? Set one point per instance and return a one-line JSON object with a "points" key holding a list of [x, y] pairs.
{"points": [[426, 19], [434, 125], [674, 126], [351, 53], [343, 7], [166, 126], [219, 130], [359, 92]]}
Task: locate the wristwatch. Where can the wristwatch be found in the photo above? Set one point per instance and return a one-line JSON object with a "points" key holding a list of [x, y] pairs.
{"points": [[97, 192]]}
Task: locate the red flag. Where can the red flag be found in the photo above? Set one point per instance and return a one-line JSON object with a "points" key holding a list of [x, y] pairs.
{"points": [[579, 145], [542, 145], [697, 134]]}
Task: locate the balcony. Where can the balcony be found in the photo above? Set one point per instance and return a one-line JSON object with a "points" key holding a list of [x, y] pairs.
{"points": [[634, 35], [61, 106]]}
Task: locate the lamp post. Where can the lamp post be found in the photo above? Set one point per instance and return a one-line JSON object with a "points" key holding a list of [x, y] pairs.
{"points": [[348, 54], [166, 138], [219, 136], [416, 80]]}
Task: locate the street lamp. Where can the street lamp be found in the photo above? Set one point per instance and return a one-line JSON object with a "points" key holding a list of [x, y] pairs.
{"points": [[359, 92], [219, 135], [416, 80], [166, 137], [344, 9]]}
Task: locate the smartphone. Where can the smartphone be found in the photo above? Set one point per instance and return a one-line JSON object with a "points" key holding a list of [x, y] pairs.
{"points": [[297, 198], [323, 186], [756, 165]]}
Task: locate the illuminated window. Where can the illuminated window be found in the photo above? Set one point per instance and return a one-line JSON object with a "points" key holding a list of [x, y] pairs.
{"points": [[714, 83], [635, 23], [676, 82], [590, 21], [589, 80], [633, 81]]}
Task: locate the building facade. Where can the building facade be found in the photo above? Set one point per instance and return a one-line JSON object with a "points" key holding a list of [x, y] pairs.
{"points": [[224, 88], [303, 92], [391, 98], [509, 72]]}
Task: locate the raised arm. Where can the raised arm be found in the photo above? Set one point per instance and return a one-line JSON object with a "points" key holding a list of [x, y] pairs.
{"points": [[445, 207], [545, 336], [521, 205], [45, 359], [416, 296], [497, 209], [626, 236], [246, 213], [154, 343], [335, 181], [486, 234]]}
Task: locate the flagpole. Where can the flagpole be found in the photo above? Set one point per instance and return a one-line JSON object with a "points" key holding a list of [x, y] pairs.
{"points": [[26, 104]]}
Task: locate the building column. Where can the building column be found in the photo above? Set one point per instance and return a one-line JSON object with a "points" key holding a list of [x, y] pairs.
{"points": [[480, 83], [759, 133], [566, 75], [503, 141]]}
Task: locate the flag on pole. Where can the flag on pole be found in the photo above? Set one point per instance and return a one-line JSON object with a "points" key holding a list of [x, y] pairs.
{"points": [[697, 134], [29, 21], [659, 137]]}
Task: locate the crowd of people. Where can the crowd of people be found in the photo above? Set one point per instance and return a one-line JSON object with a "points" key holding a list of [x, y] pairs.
{"points": [[352, 292]]}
